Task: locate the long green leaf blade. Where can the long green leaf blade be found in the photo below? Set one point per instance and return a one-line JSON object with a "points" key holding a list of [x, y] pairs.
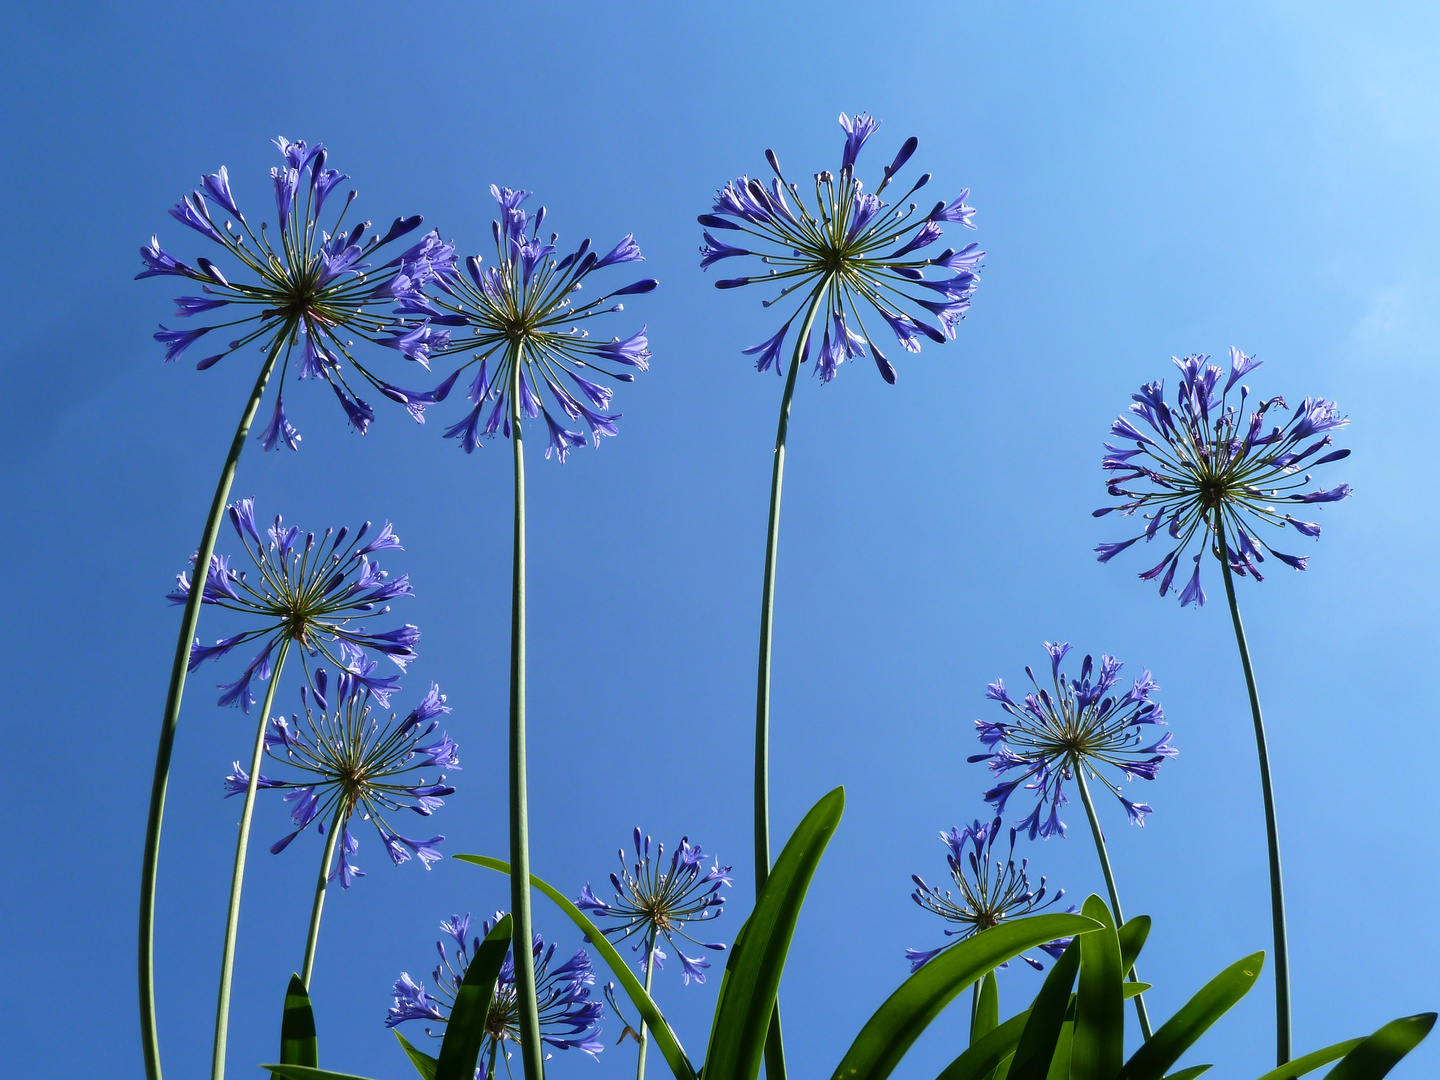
{"points": [[742, 1016], [660, 1031], [424, 1063], [1188, 1074], [1312, 1061], [1380, 1052], [465, 1031], [1042, 1031], [986, 1052], [987, 1009], [1060, 1062], [1132, 939], [298, 1045], [1099, 1040], [890, 1032], [1179, 1033], [309, 1072]]}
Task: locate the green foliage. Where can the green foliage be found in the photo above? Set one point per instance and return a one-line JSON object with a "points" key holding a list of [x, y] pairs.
{"points": [[1099, 1037], [297, 1027], [986, 1017], [1038, 1042], [1180, 1032], [465, 1031], [425, 1064], [1380, 1052]]}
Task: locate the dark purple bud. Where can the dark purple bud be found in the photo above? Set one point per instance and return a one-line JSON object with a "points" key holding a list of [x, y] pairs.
{"points": [[710, 221], [1335, 456], [401, 227], [775, 162], [472, 264], [643, 286], [939, 209], [924, 179], [732, 283], [903, 156], [211, 270]]}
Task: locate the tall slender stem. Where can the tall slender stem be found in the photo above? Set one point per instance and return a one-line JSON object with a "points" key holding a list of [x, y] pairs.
{"points": [[319, 905], [974, 1006], [529, 1018], [170, 719], [237, 877], [1140, 1010], [1272, 832], [644, 1037], [774, 1044]]}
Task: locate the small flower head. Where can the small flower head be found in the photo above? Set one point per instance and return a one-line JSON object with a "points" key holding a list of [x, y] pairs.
{"points": [[309, 591], [1088, 723], [301, 294], [529, 340], [569, 1019], [990, 889], [1207, 463], [352, 762], [854, 255], [655, 900]]}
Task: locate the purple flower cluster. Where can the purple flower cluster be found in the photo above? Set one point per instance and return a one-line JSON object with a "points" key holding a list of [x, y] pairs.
{"points": [[306, 297], [854, 253], [309, 591], [654, 900], [1078, 724], [524, 332], [569, 1019], [1205, 469], [357, 764], [991, 890]]}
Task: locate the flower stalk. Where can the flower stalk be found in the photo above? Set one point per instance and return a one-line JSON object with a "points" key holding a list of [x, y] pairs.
{"points": [[313, 937]]}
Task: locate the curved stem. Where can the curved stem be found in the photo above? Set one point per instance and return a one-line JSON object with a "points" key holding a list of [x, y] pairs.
{"points": [[170, 719], [319, 905], [644, 1037], [774, 1045], [237, 877], [1272, 832], [1140, 1011], [529, 1014]]}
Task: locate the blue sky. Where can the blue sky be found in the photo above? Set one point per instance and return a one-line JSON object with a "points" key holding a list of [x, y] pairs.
{"points": [[1150, 181]]}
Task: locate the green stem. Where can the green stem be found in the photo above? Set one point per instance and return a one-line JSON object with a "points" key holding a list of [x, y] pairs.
{"points": [[1272, 832], [237, 877], [644, 1037], [1140, 1010], [170, 719], [529, 1014], [774, 1044], [974, 1006], [319, 905]]}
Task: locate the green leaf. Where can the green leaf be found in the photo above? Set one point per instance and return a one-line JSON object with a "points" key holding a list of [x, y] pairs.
{"points": [[424, 1063], [1188, 1074], [1099, 1039], [987, 1009], [297, 1027], [1135, 989], [1047, 1014], [309, 1072], [1132, 940], [752, 977], [1380, 1052], [1179, 1033], [986, 1052], [1060, 1062], [660, 1031], [889, 1033], [465, 1031], [1312, 1061]]}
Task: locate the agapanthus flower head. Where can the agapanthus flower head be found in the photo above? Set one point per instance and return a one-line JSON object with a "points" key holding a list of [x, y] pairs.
{"points": [[310, 591], [304, 292], [654, 899], [528, 338], [569, 1019], [1208, 464], [854, 255], [1089, 723], [990, 888], [353, 762]]}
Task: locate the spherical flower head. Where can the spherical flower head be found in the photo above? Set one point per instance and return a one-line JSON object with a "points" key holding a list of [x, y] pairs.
{"points": [[989, 889], [854, 255], [569, 1019], [352, 762], [654, 899], [1208, 465], [529, 341], [303, 293], [1088, 723], [308, 591]]}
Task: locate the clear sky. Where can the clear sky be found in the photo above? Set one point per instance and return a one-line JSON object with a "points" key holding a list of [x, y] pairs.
{"points": [[1150, 181]]}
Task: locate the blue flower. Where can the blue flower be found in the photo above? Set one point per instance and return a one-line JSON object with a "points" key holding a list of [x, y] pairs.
{"points": [[1209, 467], [1087, 723], [854, 254], [309, 591], [315, 287], [353, 763], [653, 900], [991, 890], [527, 338], [569, 1019]]}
